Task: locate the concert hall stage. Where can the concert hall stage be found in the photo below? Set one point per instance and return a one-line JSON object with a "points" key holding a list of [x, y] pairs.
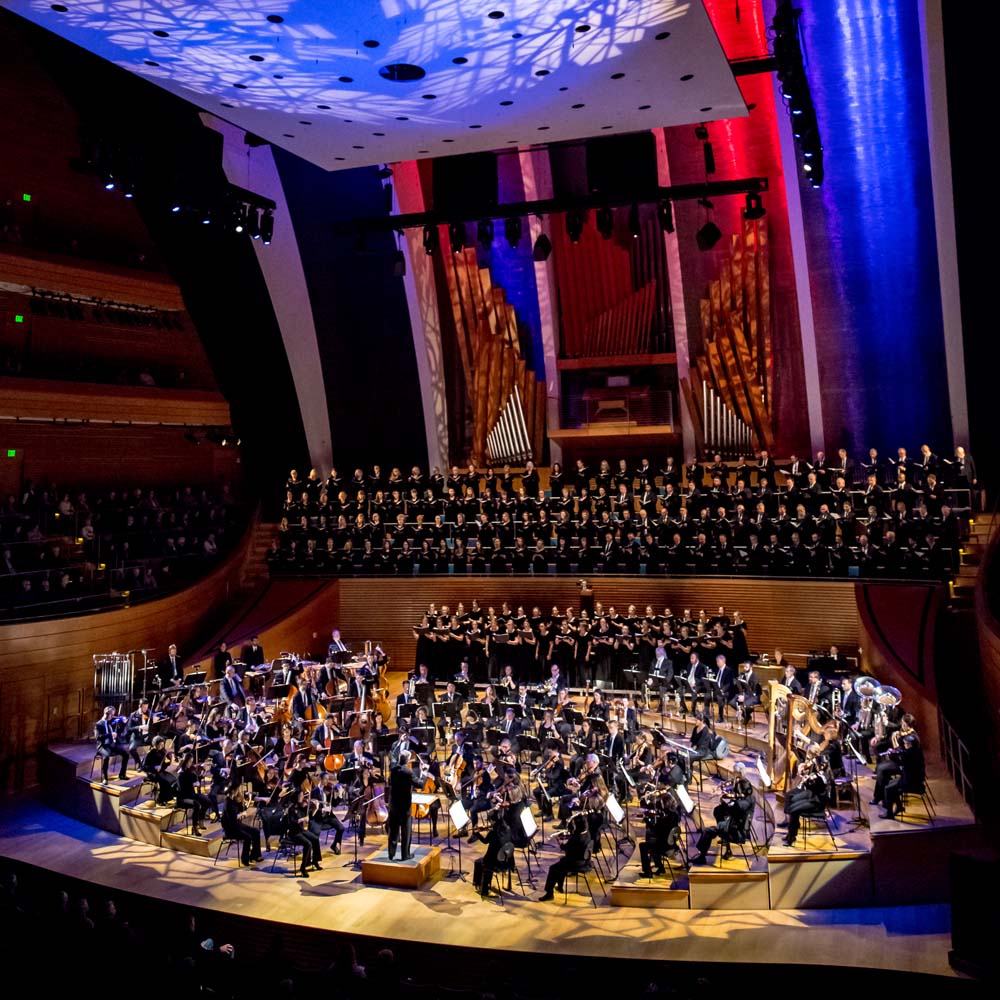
{"points": [[907, 938]]}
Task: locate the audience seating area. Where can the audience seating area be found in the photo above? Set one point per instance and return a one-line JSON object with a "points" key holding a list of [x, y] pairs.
{"points": [[900, 518], [69, 550]]}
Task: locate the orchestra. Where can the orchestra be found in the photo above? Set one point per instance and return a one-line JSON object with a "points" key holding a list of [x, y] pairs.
{"points": [[316, 740]]}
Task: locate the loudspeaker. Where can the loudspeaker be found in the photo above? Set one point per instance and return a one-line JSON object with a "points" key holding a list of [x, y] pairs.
{"points": [[975, 917], [708, 236]]}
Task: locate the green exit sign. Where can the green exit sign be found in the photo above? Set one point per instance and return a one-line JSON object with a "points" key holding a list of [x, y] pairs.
{"points": [[26, 197], [18, 318], [12, 453]]}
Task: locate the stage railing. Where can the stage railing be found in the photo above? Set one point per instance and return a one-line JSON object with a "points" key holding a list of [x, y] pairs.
{"points": [[958, 760]]}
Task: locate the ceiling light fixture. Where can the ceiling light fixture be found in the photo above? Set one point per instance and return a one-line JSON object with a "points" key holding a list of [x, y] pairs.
{"points": [[542, 249], [512, 230]]}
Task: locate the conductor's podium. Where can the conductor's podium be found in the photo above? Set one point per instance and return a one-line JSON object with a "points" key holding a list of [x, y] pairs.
{"points": [[424, 864]]}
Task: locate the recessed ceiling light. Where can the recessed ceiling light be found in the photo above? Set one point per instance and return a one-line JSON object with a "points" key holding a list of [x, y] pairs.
{"points": [[687, 76], [357, 147], [496, 15], [709, 108], [578, 105], [517, 34], [617, 76], [402, 118], [429, 97], [644, 107], [542, 72], [149, 62], [279, 76], [511, 142], [226, 104], [346, 79], [59, 8], [379, 134], [275, 18], [160, 33], [606, 127], [475, 126], [506, 104], [240, 86], [257, 58], [564, 88], [423, 150], [302, 121], [338, 158], [370, 43], [662, 35], [582, 28], [543, 128], [447, 140], [348, 121], [323, 107], [460, 60], [288, 135]]}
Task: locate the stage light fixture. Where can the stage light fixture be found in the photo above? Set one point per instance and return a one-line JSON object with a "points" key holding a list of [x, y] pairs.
{"points": [[385, 173], [512, 230], [484, 233], [128, 188], [266, 226], [754, 208], [574, 225], [708, 236], [175, 209], [109, 183], [665, 215], [633, 221], [606, 222], [542, 249], [253, 223], [456, 236], [430, 239], [709, 158], [240, 213]]}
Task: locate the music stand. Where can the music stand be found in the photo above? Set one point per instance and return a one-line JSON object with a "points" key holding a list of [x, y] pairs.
{"points": [[459, 817], [423, 692], [684, 686], [406, 711], [195, 678]]}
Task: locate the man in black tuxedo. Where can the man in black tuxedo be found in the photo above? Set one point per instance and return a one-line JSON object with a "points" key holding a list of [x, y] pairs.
{"points": [[171, 670], [791, 681], [402, 781], [724, 684], [108, 745], [816, 689], [254, 655], [693, 676], [511, 728]]}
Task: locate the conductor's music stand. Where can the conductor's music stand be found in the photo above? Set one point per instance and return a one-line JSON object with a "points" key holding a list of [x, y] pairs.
{"points": [[459, 818]]}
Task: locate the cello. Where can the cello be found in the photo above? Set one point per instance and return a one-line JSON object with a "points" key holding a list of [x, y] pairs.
{"points": [[423, 811]]}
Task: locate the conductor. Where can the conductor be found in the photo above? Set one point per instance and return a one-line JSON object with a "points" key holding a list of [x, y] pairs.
{"points": [[402, 781]]}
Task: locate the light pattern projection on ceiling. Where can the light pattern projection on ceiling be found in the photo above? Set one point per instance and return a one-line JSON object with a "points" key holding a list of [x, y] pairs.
{"points": [[345, 83]]}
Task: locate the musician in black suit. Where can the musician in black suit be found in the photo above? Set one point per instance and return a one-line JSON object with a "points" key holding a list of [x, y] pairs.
{"points": [[724, 684], [402, 781], [693, 676], [233, 828], [790, 680], [306, 702], [188, 794], [816, 689], [963, 470], [613, 745], [138, 730], [511, 727], [703, 737], [221, 660], [850, 703], [254, 655], [336, 645], [576, 855], [730, 816], [171, 670], [231, 687], [109, 745], [810, 796]]}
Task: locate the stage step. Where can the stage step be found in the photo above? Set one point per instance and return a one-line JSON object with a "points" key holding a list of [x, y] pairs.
{"points": [[202, 847], [728, 889], [145, 822]]}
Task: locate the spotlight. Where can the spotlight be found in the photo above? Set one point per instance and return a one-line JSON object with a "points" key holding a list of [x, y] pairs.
{"points": [[109, 183], [484, 233], [456, 236], [542, 250], [399, 264], [754, 207], [206, 218], [512, 231], [385, 173], [430, 239], [266, 226], [709, 158], [633, 221], [253, 223], [606, 222], [665, 214], [807, 167], [708, 236], [175, 208], [129, 189], [387, 198], [240, 213], [574, 225]]}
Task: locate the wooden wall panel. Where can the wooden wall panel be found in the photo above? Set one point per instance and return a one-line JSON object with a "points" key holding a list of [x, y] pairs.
{"points": [[98, 455], [38, 399], [797, 617], [47, 674]]}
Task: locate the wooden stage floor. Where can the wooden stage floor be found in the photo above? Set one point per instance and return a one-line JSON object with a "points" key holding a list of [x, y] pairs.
{"points": [[906, 938]]}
